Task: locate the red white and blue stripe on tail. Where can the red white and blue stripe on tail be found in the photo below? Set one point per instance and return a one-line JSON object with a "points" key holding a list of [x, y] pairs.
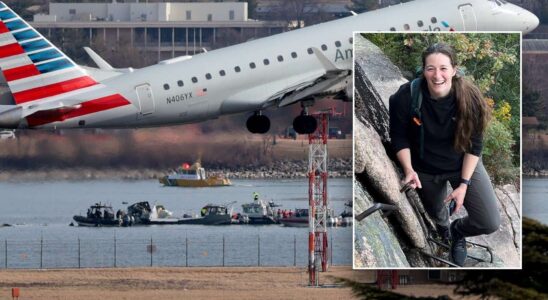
{"points": [[37, 72], [33, 67]]}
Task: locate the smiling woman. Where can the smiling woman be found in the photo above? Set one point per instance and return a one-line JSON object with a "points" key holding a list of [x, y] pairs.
{"points": [[445, 145]]}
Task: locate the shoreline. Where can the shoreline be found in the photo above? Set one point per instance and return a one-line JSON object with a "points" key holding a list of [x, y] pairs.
{"points": [[535, 174], [338, 168]]}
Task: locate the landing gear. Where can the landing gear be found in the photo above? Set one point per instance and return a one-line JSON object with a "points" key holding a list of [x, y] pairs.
{"points": [[305, 124], [258, 123]]}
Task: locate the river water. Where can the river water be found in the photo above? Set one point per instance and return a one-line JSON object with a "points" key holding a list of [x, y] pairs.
{"points": [[41, 237], [535, 203]]}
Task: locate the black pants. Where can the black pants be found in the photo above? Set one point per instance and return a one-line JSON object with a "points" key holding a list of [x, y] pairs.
{"points": [[480, 201]]}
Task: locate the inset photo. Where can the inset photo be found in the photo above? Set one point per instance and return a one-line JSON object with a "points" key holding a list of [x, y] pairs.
{"points": [[437, 179]]}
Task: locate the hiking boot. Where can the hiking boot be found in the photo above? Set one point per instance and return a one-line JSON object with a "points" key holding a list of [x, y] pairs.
{"points": [[458, 245], [444, 234]]}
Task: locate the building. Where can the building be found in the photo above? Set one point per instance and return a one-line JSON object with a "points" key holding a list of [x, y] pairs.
{"points": [[385, 278], [165, 30], [143, 12]]}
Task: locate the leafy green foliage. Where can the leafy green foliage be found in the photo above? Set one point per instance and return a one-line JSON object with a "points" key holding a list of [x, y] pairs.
{"points": [[497, 153]]}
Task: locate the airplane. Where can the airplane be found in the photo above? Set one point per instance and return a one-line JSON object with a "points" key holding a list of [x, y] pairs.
{"points": [[50, 91]]}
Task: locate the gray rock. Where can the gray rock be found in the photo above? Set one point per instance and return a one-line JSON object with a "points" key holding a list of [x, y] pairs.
{"points": [[372, 160], [375, 243], [505, 242], [377, 78]]}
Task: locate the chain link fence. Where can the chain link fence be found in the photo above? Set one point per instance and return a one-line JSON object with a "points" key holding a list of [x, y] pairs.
{"points": [[251, 250]]}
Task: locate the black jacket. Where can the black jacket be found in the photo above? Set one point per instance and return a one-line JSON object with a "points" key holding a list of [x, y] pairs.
{"points": [[439, 121]]}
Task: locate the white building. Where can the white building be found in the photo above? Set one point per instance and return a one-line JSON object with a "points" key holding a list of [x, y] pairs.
{"points": [[143, 12], [168, 29]]}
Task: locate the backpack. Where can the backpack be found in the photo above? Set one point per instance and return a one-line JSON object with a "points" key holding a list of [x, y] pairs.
{"points": [[416, 102]]}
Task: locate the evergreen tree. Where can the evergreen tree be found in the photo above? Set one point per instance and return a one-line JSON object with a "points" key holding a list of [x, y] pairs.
{"points": [[528, 283], [532, 104]]}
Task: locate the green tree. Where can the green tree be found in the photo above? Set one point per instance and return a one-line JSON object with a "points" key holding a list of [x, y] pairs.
{"points": [[497, 153], [528, 283], [532, 104]]}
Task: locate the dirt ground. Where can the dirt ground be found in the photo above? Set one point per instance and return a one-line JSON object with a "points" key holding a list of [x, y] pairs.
{"points": [[187, 283]]}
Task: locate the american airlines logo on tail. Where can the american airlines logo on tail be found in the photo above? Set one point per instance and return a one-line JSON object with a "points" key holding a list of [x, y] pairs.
{"points": [[36, 70], [33, 67]]}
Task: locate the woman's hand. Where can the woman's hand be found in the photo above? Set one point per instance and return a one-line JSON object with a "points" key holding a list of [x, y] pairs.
{"points": [[412, 178], [457, 194]]}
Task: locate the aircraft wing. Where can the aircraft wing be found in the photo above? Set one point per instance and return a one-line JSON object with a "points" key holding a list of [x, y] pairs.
{"points": [[289, 90], [330, 76]]}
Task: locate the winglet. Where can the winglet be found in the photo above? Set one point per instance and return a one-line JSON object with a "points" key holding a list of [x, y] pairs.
{"points": [[353, 13], [101, 63], [326, 63]]}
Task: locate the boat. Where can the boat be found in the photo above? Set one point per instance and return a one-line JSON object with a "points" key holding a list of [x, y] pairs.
{"points": [[259, 212], [194, 176], [211, 214], [345, 218], [146, 214], [98, 215], [299, 218]]}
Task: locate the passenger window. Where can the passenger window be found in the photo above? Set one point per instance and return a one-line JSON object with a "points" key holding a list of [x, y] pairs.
{"points": [[309, 50], [420, 23], [324, 47], [294, 54], [337, 44], [222, 73], [166, 86], [392, 29], [194, 79], [280, 58], [237, 69], [434, 20], [180, 83], [406, 27], [266, 62], [208, 76], [351, 40], [252, 65]]}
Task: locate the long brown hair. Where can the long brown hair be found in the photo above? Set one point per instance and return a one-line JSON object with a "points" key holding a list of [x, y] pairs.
{"points": [[473, 112]]}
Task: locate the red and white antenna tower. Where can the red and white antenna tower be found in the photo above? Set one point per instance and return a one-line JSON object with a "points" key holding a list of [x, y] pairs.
{"points": [[317, 199]]}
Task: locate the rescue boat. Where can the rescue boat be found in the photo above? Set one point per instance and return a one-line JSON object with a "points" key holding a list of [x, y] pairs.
{"points": [[194, 176]]}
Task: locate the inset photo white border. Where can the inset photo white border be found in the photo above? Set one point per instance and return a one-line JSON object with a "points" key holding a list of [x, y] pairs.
{"points": [[404, 226]]}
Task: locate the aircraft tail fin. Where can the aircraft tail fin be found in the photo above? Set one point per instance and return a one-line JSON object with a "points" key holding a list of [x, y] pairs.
{"points": [[33, 67]]}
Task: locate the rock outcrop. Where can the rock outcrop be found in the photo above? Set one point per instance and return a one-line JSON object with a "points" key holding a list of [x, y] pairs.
{"points": [[376, 244], [381, 240]]}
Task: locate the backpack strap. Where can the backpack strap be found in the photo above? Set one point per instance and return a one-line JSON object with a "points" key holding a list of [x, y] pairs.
{"points": [[416, 102]]}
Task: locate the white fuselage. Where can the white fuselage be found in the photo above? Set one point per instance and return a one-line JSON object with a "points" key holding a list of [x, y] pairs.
{"points": [[253, 89]]}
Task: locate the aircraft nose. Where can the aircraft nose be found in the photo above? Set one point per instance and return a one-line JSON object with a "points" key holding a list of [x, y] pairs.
{"points": [[533, 23]]}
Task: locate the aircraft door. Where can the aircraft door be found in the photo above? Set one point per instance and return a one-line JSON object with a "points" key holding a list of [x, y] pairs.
{"points": [[468, 17], [146, 99]]}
